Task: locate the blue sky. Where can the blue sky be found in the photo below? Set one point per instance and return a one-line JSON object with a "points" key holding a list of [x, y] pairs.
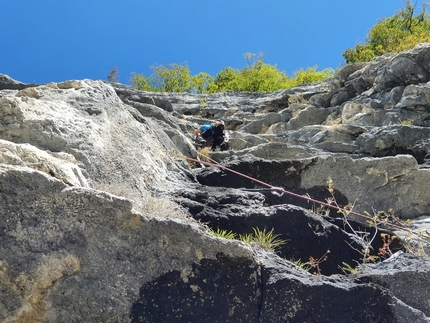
{"points": [[46, 41]]}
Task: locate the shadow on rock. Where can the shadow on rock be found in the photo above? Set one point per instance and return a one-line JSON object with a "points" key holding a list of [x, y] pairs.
{"points": [[214, 290]]}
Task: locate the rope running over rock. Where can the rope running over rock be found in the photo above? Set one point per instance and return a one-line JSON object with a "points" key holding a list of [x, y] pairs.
{"points": [[309, 199]]}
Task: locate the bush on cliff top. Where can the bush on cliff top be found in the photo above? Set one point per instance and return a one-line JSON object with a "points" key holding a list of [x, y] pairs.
{"points": [[394, 34], [256, 76]]}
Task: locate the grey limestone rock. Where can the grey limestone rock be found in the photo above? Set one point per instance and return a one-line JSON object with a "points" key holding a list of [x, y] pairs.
{"points": [[403, 274], [328, 300], [102, 219], [75, 254]]}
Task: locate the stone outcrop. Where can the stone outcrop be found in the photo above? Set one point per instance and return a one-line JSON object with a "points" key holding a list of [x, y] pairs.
{"points": [[103, 220], [369, 183], [403, 275], [71, 254], [7, 83]]}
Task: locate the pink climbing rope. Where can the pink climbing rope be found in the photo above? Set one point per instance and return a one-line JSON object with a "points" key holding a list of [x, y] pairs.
{"points": [[307, 198]]}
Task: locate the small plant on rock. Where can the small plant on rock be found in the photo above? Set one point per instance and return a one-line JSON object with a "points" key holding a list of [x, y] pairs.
{"points": [[264, 239], [203, 106], [298, 99], [219, 233], [205, 154], [113, 76], [247, 238], [407, 122], [268, 240], [303, 265], [314, 263], [348, 269], [418, 246], [384, 251]]}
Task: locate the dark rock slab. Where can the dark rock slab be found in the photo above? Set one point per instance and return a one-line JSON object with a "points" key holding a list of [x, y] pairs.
{"points": [[214, 290], [7, 83], [306, 234], [406, 276], [302, 297]]}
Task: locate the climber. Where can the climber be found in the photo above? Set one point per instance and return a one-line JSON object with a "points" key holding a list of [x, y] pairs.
{"points": [[199, 140], [214, 135], [201, 129]]}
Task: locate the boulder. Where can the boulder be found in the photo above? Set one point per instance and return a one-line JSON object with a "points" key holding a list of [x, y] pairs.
{"points": [[240, 141], [306, 235], [129, 94], [273, 151], [410, 67], [308, 115], [416, 98]]}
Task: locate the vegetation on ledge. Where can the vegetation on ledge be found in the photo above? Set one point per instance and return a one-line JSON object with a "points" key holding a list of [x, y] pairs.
{"points": [[394, 34]]}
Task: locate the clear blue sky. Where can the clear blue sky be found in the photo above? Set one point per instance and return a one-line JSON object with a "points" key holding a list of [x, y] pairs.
{"points": [[46, 41]]}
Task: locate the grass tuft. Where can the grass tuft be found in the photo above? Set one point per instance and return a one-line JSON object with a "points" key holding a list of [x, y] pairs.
{"points": [[268, 240], [222, 234]]}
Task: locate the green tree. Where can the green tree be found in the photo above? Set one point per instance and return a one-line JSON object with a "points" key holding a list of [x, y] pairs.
{"points": [[394, 34], [361, 53], [164, 78], [201, 82], [141, 82], [256, 76], [171, 78], [261, 77], [309, 75], [226, 80]]}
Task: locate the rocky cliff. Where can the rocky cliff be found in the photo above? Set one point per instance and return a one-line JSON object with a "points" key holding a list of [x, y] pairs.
{"points": [[104, 220]]}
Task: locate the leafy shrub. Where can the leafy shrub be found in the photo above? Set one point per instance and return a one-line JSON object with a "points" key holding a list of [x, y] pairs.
{"points": [[309, 75], [172, 77], [257, 76], [141, 82], [225, 80], [164, 78], [394, 34], [201, 82]]}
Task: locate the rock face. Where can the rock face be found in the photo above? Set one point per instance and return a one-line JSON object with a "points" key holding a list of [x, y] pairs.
{"points": [[71, 254], [103, 220]]}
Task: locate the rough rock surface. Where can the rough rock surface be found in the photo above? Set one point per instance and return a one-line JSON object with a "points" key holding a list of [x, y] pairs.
{"points": [[369, 183], [403, 275], [102, 219]]}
